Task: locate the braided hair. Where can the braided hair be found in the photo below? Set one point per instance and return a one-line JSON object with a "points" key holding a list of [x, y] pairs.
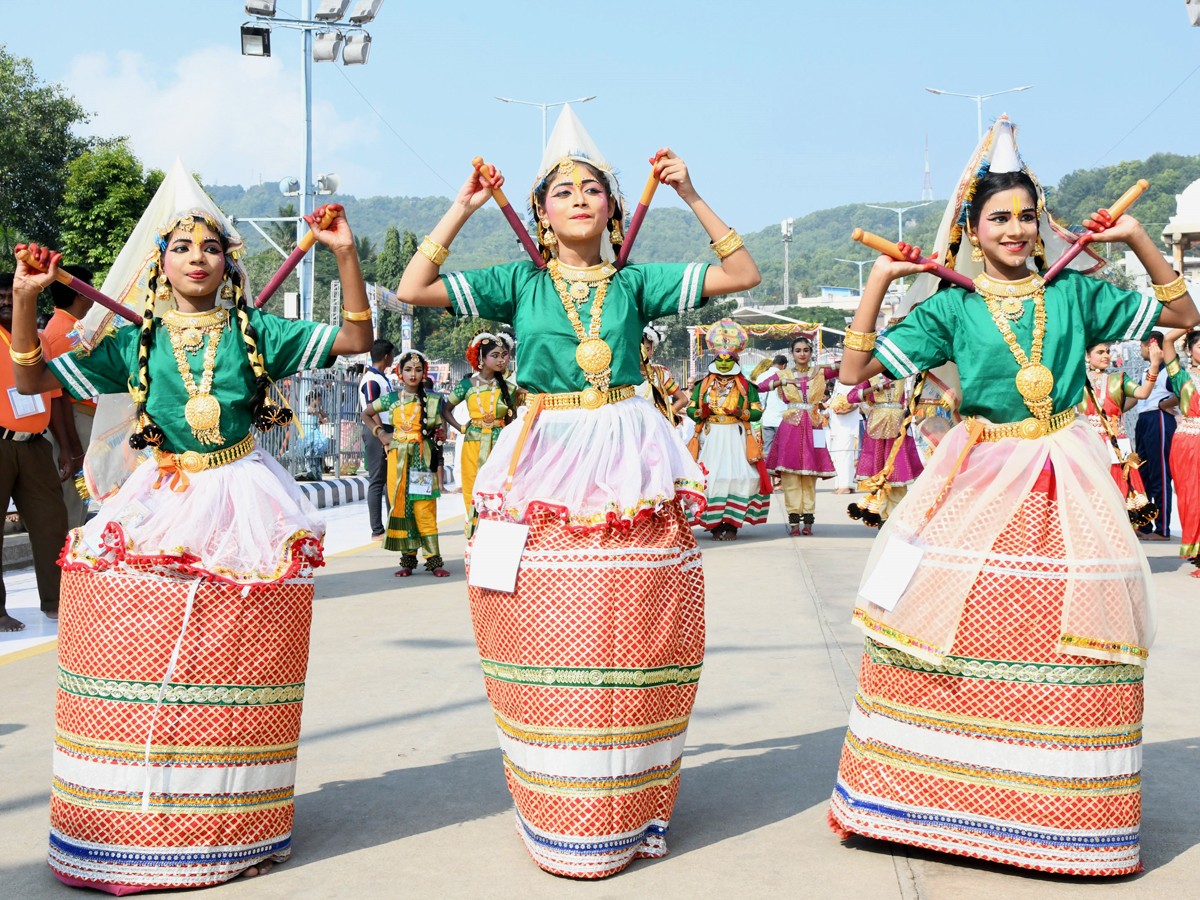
{"points": [[264, 413]]}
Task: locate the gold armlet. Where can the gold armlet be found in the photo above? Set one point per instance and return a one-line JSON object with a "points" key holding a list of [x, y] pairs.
{"points": [[859, 340], [433, 251], [28, 358], [727, 245], [356, 315], [1165, 293]]}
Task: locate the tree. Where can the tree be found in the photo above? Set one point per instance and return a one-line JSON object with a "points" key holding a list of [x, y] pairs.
{"points": [[36, 141], [106, 192]]}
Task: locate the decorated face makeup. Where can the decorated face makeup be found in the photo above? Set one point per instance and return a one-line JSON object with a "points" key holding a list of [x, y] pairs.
{"points": [[194, 261], [1007, 231]]}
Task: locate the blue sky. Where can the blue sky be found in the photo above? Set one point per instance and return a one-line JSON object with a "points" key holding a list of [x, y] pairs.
{"points": [[779, 108]]}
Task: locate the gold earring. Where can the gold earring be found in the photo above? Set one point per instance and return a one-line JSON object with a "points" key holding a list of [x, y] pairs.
{"points": [[1039, 248], [976, 252], [615, 236], [549, 238], [226, 291], [163, 292]]}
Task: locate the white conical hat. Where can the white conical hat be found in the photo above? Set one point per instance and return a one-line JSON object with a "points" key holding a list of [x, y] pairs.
{"points": [[997, 152], [570, 141], [177, 197]]}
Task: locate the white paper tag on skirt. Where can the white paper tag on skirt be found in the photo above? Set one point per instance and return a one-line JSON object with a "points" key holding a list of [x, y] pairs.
{"points": [[818, 438], [420, 483], [893, 572], [496, 555]]}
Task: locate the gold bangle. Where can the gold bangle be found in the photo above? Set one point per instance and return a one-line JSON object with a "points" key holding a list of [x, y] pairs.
{"points": [[375, 431], [1173, 290], [356, 315], [859, 340], [433, 251], [727, 245], [28, 358]]}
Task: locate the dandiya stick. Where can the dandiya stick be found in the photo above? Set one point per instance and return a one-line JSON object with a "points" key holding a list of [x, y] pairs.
{"points": [[514, 220], [83, 288], [887, 248], [1117, 210], [635, 223], [302, 247]]}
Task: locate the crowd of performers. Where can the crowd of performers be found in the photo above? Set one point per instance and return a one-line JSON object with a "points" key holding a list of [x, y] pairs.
{"points": [[965, 737]]}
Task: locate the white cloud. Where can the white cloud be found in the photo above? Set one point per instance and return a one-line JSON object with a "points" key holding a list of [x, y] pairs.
{"points": [[234, 119]]}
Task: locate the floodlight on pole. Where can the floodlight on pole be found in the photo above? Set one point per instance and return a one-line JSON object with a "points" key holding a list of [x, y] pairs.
{"points": [[365, 11], [356, 49], [330, 10], [545, 106], [256, 40], [327, 184], [326, 46], [289, 187], [264, 8], [979, 98]]}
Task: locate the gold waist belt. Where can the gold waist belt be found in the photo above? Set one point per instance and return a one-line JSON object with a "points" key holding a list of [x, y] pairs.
{"points": [[192, 461], [1028, 428], [591, 398], [406, 437], [725, 420]]}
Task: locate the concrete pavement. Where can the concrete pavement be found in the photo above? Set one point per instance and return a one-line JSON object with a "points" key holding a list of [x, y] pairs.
{"points": [[401, 792]]}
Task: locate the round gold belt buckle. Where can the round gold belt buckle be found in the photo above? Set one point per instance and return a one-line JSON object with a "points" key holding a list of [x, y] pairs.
{"points": [[191, 461], [591, 398], [1032, 428]]}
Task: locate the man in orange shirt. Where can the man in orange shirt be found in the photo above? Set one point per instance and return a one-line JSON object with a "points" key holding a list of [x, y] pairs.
{"points": [[28, 475], [76, 423]]}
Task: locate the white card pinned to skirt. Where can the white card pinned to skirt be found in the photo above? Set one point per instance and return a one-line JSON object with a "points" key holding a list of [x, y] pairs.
{"points": [[893, 573], [818, 438], [496, 554]]}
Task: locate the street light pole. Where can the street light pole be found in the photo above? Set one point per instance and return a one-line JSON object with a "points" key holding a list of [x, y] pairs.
{"points": [[545, 106], [979, 98], [307, 274], [899, 211], [856, 262], [785, 228]]}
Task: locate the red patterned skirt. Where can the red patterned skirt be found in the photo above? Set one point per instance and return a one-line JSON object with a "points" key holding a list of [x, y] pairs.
{"points": [[177, 724], [1185, 470], [591, 667], [1009, 750]]}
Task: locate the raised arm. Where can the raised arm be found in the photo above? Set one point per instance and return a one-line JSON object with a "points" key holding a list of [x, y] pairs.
{"points": [[356, 333], [859, 363], [420, 284], [738, 271], [31, 375], [1145, 389], [1179, 312]]}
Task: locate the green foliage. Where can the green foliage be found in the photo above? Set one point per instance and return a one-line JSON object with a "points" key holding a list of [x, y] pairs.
{"points": [[36, 142], [105, 195]]}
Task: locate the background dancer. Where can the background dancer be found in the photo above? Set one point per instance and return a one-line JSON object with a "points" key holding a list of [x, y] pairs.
{"points": [[191, 589], [886, 404], [1185, 447], [660, 386], [964, 736], [592, 763]]}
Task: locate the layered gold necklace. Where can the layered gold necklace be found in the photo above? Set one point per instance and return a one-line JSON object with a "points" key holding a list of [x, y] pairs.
{"points": [[1010, 294], [593, 355], [1034, 381], [579, 281], [187, 332]]}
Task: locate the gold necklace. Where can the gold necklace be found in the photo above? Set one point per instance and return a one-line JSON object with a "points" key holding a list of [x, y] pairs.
{"points": [[202, 411], [1010, 293], [580, 280], [593, 355], [1034, 381]]}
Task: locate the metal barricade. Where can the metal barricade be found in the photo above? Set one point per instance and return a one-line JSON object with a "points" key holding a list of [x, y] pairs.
{"points": [[325, 438]]}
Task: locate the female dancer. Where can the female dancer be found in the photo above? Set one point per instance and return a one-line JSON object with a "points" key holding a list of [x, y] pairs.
{"points": [[491, 403], [724, 405], [798, 453], [186, 601], [886, 404], [591, 663], [1185, 449], [660, 386], [412, 477], [1000, 698], [1116, 392]]}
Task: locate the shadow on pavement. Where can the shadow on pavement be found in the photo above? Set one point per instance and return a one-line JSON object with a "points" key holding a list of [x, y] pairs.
{"points": [[347, 816], [747, 790]]}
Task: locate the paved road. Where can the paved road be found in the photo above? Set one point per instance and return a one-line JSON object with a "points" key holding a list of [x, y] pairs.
{"points": [[400, 788]]}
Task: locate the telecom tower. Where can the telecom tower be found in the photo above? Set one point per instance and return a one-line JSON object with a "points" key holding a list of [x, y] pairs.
{"points": [[927, 187]]}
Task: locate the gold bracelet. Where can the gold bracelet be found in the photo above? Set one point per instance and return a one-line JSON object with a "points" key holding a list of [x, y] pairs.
{"points": [[859, 340], [375, 431], [433, 251], [727, 245], [1173, 290], [28, 358], [356, 315]]}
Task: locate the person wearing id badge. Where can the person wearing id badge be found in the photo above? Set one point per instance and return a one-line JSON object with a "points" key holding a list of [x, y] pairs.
{"points": [[1007, 605], [411, 480]]}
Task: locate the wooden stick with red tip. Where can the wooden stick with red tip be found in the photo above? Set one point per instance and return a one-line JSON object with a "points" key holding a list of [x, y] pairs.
{"points": [[82, 288], [635, 223], [489, 171], [302, 247], [1115, 212], [887, 248]]}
